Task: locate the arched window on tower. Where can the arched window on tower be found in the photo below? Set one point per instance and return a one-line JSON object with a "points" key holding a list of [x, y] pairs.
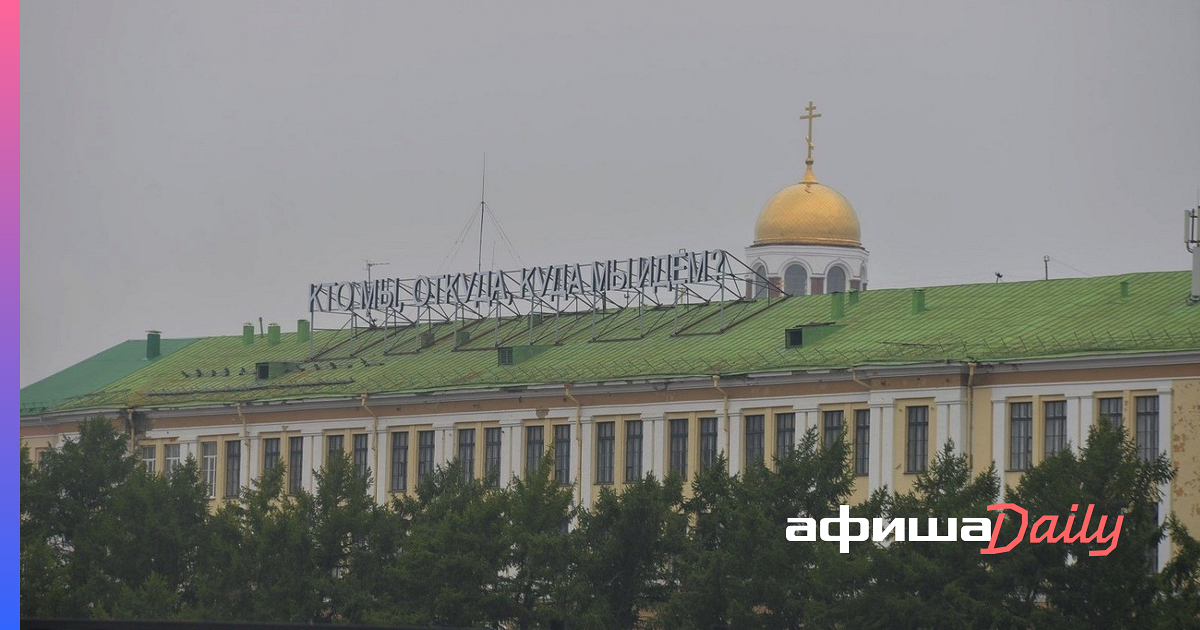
{"points": [[795, 280], [835, 280], [759, 282]]}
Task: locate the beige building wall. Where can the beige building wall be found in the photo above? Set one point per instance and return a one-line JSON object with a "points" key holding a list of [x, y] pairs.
{"points": [[1185, 452]]}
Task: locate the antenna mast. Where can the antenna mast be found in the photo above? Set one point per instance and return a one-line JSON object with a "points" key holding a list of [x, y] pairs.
{"points": [[1191, 239], [482, 196]]}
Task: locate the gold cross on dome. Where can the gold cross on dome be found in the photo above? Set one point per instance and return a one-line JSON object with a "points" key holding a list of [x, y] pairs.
{"points": [[811, 109]]}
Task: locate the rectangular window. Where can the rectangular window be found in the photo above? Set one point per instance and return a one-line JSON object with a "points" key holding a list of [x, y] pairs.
{"points": [[466, 452], [708, 442], [295, 469], [562, 454], [270, 454], [208, 467], [1020, 436], [862, 442], [754, 439], [916, 454], [535, 443], [335, 446], [399, 461], [785, 434], [1147, 426], [361, 458], [491, 456], [424, 455], [1111, 411], [832, 427], [1056, 426], [149, 457], [171, 459], [233, 468], [606, 437], [679, 447], [633, 450]]}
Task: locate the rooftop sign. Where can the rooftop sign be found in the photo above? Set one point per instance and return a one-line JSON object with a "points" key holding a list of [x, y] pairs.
{"points": [[534, 284]]}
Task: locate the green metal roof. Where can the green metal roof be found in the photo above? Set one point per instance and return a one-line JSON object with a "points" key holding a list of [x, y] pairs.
{"points": [[92, 374], [983, 322]]}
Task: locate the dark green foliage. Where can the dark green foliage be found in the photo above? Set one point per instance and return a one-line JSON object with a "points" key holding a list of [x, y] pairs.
{"points": [[102, 538], [1061, 585]]}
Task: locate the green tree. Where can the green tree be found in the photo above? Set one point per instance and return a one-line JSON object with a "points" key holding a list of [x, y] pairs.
{"points": [[740, 570], [259, 559], [447, 571], [538, 513], [1060, 585], [97, 527], [624, 552], [919, 584]]}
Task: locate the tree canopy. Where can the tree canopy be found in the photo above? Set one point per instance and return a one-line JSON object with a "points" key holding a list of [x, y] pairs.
{"points": [[102, 537]]}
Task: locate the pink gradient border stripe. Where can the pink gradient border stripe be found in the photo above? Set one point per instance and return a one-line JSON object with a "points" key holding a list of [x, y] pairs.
{"points": [[10, 267]]}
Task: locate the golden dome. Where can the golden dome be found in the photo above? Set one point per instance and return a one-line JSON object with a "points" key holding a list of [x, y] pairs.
{"points": [[807, 213]]}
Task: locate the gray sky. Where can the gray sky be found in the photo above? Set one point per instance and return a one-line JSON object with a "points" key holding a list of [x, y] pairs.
{"points": [[192, 166]]}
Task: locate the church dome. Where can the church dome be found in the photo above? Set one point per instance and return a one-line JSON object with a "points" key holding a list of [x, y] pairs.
{"points": [[807, 213]]}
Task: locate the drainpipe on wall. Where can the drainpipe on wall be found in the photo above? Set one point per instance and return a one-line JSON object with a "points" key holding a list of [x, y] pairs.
{"points": [[374, 429], [245, 445], [245, 434], [970, 445], [725, 395], [854, 377], [578, 439]]}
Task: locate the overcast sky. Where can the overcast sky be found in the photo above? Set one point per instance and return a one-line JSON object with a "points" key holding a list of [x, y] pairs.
{"points": [[190, 166]]}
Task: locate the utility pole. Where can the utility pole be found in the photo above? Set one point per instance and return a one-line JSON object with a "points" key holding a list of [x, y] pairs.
{"points": [[1046, 265]]}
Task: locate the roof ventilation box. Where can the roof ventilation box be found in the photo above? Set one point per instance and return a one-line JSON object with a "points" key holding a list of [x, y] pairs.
{"points": [[512, 355], [266, 370], [808, 334]]}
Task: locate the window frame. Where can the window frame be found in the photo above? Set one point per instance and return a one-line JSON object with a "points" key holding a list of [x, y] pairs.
{"points": [[606, 452], [677, 441], [493, 452], [466, 445], [295, 464], [634, 450], [833, 426], [1020, 454], [150, 463], [398, 461], [862, 442], [754, 446], [233, 468], [1054, 427], [1147, 424], [171, 463], [916, 447], [562, 454], [208, 466], [271, 459], [710, 429], [426, 454]]}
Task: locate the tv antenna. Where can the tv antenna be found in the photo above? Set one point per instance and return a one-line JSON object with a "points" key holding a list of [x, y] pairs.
{"points": [[368, 264]]}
